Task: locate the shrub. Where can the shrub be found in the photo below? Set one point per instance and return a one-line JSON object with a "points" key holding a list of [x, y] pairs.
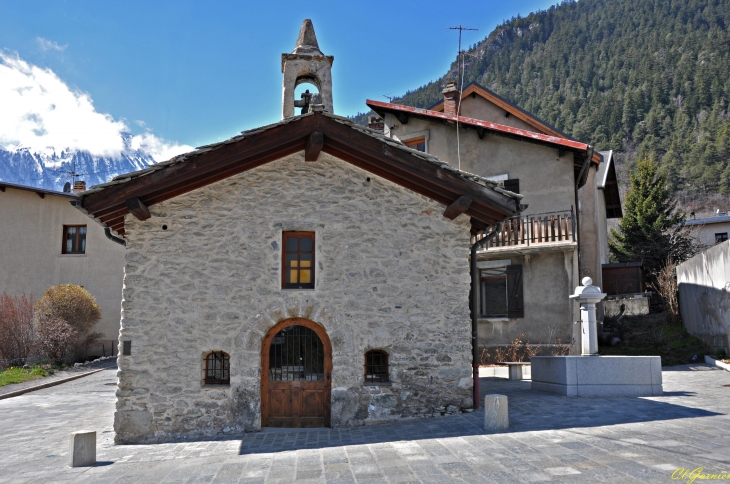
{"points": [[57, 339], [69, 303], [74, 306], [16, 327]]}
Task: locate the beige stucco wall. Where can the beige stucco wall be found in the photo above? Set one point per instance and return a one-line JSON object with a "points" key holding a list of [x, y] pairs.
{"points": [[547, 182], [705, 234], [591, 219], [547, 280], [392, 274], [31, 259], [479, 108], [551, 190]]}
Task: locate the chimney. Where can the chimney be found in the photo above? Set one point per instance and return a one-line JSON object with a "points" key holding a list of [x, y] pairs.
{"points": [[451, 98], [79, 186], [376, 123]]}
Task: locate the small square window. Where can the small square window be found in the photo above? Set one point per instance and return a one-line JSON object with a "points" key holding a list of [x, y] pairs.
{"points": [[74, 239], [377, 369], [297, 271], [721, 237], [416, 144], [217, 368]]}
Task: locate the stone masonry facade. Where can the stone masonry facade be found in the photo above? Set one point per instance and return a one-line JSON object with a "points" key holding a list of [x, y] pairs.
{"points": [[204, 274]]}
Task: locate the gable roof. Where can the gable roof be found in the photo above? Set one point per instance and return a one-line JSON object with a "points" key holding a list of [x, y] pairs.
{"points": [[582, 150], [477, 89], [313, 132], [607, 182]]}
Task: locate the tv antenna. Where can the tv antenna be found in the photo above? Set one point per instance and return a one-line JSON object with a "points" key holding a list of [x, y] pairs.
{"points": [[460, 28], [460, 75], [389, 98]]}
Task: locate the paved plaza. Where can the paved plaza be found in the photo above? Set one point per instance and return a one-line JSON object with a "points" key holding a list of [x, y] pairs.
{"points": [[551, 439]]}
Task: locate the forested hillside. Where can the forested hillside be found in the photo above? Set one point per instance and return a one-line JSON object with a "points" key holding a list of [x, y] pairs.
{"points": [[627, 75]]}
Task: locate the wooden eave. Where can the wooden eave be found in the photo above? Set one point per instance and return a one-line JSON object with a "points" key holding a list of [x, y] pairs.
{"points": [[517, 112], [108, 203]]}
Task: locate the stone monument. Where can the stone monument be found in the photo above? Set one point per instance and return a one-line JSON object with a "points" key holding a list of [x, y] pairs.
{"points": [[590, 374]]}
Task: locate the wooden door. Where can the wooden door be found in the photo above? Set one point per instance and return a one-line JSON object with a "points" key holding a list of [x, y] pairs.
{"points": [[296, 380]]}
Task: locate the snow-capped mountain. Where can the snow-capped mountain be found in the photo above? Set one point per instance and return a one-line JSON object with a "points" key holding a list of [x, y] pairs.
{"points": [[51, 168]]}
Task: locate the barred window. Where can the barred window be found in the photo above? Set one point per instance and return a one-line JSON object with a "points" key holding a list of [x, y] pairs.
{"points": [[217, 368], [377, 369]]}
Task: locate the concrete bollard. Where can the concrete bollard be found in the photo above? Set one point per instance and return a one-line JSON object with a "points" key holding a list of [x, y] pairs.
{"points": [[515, 372], [496, 415], [83, 449]]}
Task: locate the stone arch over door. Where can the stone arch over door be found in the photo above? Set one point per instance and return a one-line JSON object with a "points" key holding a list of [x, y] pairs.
{"points": [[296, 375]]}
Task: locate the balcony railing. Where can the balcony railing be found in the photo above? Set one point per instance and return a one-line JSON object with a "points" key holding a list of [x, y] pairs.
{"points": [[538, 229]]}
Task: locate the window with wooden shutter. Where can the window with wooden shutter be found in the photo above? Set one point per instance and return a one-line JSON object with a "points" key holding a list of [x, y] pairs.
{"points": [[512, 184], [493, 294], [515, 299], [297, 259]]}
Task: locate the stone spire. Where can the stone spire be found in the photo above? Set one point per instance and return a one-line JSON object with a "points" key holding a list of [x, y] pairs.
{"points": [[307, 40]]}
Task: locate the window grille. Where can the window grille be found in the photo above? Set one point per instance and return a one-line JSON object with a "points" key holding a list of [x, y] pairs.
{"points": [[377, 369], [296, 354], [217, 368]]}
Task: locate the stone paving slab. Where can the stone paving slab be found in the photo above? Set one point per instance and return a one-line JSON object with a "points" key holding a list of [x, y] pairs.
{"points": [[551, 439]]}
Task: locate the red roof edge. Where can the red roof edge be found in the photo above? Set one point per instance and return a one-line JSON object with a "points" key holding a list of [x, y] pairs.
{"points": [[499, 128]]}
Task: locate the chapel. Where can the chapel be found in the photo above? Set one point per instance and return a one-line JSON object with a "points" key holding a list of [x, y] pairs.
{"points": [[309, 273]]}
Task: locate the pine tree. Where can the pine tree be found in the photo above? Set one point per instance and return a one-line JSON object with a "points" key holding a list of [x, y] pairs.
{"points": [[651, 230]]}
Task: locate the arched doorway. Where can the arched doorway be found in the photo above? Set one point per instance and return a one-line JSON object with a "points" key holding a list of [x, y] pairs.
{"points": [[296, 375]]}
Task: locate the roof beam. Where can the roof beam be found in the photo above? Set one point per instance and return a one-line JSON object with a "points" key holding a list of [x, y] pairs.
{"points": [[459, 206], [315, 142], [41, 194], [138, 209]]}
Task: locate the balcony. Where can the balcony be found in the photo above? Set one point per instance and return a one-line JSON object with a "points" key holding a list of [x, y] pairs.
{"points": [[535, 232]]}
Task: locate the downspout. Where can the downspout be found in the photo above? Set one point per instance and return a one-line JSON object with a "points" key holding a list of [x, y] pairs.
{"points": [[108, 233], [475, 310]]}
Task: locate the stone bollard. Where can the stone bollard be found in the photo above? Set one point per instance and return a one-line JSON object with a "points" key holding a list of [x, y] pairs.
{"points": [[83, 449], [496, 415]]}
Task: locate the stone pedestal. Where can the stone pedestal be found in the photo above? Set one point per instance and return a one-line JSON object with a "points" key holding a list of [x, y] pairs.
{"points": [[581, 376], [496, 415], [83, 449], [588, 296]]}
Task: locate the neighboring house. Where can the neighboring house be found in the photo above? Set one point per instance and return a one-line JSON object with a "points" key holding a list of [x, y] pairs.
{"points": [[704, 295], [710, 230], [531, 268], [46, 241], [308, 273]]}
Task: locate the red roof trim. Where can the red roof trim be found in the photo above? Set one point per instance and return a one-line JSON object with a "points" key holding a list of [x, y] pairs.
{"points": [[500, 128]]}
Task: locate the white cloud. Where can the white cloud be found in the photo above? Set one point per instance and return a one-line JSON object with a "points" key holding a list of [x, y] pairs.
{"points": [[39, 110], [46, 44]]}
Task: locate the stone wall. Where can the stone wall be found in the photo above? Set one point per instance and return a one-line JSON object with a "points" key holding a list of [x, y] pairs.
{"points": [[204, 274]]}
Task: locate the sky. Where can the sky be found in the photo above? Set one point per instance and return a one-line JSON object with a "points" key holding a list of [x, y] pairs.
{"points": [[180, 74]]}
